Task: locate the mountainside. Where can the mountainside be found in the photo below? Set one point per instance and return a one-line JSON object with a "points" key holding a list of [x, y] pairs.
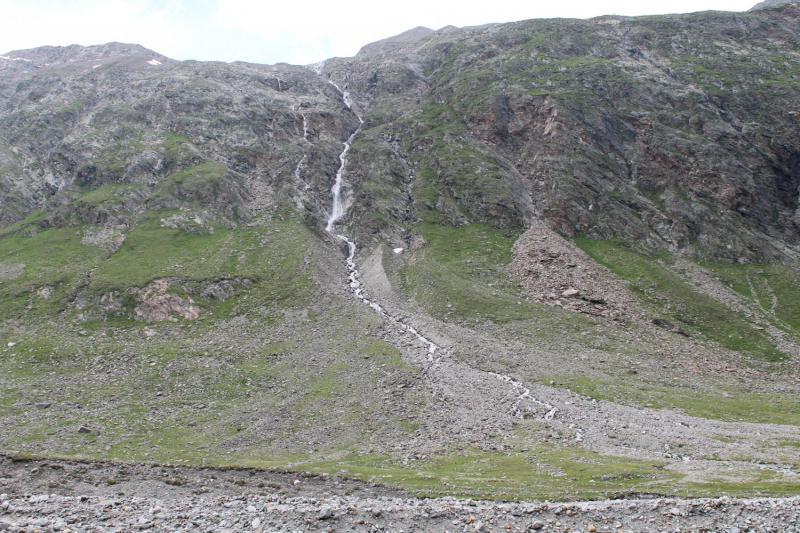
{"points": [[577, 240], [768, 3], [407, 37]]}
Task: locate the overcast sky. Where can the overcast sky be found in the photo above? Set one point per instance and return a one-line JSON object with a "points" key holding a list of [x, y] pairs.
{"points": [[292, 31]]}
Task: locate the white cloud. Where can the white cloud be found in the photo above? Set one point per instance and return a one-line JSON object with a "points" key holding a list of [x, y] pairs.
{"points": [[83, 22], [269, 31], [315, 30]]}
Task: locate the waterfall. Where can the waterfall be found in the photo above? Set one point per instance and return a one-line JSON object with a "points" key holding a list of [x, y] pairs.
{"points": [[298, 174], [337, 209], [519, 392], [345, 94]]}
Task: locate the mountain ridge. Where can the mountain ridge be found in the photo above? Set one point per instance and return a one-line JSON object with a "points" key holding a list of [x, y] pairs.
{"points": [[768, 3], [407, 37], [58, 55]]}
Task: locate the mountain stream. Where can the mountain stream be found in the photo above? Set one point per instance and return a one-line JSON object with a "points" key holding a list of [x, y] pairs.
{"points": [[435, 353]]}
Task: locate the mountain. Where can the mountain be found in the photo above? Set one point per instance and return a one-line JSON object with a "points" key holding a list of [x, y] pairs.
{"points": [[545, 259], [50, 56], [407, 37], [768, 3]]}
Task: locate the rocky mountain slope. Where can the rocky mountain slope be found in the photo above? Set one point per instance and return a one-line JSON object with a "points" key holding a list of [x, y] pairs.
{"points": [[407, 37], [578, 240], [767, 3]]}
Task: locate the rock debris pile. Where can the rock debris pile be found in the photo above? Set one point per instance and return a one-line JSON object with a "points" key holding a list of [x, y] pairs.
{"points": [[556, 272], [30, 513]]}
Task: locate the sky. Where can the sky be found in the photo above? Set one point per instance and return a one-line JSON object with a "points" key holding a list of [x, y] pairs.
{"points": [[291, 31]]}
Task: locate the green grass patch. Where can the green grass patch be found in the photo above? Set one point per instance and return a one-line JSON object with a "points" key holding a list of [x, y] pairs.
{"points": [[57, 265], [727, 405], [272, 253], [764, 483], [382, 352], [460, 274], [672, 298], [543, 473], [773, 287], [198, 182], [54, 258]]}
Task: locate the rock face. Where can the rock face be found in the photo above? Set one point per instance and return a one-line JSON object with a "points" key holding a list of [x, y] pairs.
{"points": [[153, 304], [147, 133], [647, 130]]}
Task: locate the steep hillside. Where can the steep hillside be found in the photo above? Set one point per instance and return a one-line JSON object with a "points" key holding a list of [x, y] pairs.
{"points": [[407, 37], [767, 3], [654, 130], [566, 266]]}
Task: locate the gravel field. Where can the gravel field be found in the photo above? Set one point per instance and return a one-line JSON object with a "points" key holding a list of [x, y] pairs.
{"points": [[166, 498]]}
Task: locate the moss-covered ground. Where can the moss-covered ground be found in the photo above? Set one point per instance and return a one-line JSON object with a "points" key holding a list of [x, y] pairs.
{"points": [[732, 405], [676, 300], [461, 274]]}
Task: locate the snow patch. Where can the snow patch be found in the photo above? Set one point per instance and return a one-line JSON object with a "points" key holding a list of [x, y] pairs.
{"points": [[317, 67], [398, 250], [154, 62], [57, 182]]}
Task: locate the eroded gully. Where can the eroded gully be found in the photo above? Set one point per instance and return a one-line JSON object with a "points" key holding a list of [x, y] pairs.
{"points": [[523, 401]]}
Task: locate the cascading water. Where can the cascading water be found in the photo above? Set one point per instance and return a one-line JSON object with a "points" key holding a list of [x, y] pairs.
{"points": [[345, 95], [298, 174], [298, 171], [520, 392], [337, 209]]}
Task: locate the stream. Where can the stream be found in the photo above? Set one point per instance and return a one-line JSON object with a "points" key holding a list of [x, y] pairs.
{"points": [[435, 353]]}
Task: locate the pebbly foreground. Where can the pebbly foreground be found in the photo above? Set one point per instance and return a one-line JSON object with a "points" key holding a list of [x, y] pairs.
{"points": [[159, 498]]}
